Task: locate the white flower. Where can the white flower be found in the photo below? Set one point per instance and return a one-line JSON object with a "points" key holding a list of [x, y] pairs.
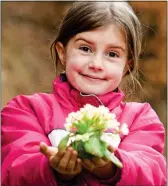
{"points": [[74, 117], [111, 139], [103, 110], [68, 126], [104, 119], [71, 140], [91, 113], [91, 120], [113, 124], [78, 116], [70, 117], [88, 110], [124, 129], [111, 116]]}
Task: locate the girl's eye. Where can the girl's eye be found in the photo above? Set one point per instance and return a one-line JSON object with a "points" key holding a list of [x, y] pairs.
{"points": [[113, 54], [85, 48]]}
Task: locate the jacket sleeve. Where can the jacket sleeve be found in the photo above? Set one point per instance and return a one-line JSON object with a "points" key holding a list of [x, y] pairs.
{"points": [[141, 151], [22, 162]]}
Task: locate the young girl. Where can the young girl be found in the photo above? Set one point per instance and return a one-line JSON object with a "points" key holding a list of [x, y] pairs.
{"points": [[98, 46]]}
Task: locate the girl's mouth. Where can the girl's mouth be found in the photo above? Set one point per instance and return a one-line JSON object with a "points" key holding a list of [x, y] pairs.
{"points": [[91, 77]]}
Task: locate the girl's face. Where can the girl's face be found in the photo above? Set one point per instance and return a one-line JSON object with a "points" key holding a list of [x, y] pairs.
{"points": [[95, 60]]}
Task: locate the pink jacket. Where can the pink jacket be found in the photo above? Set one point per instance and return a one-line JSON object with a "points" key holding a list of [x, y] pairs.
{"points": [[27, 121]]}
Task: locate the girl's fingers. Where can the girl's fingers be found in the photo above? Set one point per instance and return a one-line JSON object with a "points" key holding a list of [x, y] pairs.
{"points": [[78, 166], [54, 160], [48, 150], [63, 162], [72, 161], [43, 148], [111, 148], [99, 162], [88, 164], [65, 159]]}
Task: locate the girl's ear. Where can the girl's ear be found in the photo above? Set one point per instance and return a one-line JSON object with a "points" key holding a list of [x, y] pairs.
{"points": [[127, 67], [61, 52]]}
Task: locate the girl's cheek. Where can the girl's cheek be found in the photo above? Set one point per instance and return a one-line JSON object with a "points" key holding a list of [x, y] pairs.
{"points": [[73, 65], [114, 73]]}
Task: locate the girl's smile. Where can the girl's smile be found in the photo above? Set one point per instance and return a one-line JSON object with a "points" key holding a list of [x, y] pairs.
{"points": [[93, 78], [95, 60]]}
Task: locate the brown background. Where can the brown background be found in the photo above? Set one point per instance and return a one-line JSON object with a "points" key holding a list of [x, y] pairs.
{"points": [[28, 29]]}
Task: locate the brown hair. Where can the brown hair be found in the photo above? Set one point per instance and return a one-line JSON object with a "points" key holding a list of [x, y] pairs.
{"points": [[85, 16]]}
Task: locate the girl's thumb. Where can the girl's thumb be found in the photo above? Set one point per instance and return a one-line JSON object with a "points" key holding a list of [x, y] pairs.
{"points": [[48, 150], [112, 148]]}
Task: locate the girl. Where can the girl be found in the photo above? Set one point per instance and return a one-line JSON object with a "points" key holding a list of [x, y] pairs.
{"points": [[98, 46]]}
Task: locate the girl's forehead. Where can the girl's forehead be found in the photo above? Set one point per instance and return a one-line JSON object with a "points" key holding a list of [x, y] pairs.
{"points": [[108, 34]]}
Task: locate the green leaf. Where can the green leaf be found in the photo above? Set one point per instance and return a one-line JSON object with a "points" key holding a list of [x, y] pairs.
{"points": [[79, 147], [63, 143], [83, 137], [110, 156], [95, 147]]}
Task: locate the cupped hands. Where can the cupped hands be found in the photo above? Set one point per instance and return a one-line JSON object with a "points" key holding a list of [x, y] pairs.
{"points": [[66, 164]]}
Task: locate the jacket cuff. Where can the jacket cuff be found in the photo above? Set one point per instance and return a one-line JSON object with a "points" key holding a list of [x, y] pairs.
{"points": [[124, 171]]}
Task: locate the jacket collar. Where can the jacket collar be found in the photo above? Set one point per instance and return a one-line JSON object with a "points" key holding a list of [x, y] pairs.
{"points": [[71, 98]]}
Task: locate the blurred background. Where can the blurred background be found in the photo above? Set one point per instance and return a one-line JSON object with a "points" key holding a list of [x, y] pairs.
{"points": [[28, 29]]}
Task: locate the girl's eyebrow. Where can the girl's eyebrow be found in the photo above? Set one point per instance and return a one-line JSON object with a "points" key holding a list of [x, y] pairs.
{"points": [[92, 43], [85, 40], [117, 47]]}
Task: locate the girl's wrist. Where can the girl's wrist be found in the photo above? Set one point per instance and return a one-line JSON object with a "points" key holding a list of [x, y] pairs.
{"points": [[105, 172], [62, 177]]}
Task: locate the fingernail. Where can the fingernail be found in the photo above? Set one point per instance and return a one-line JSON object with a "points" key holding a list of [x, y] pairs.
{"points": [[75, 152], [70, 148], [79, 160]]}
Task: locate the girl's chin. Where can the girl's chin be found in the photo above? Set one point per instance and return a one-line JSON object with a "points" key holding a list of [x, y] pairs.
{"points": [[92, 91]]}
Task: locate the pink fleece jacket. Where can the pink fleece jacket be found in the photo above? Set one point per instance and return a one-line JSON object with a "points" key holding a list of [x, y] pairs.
{"points": [[27, 121]]}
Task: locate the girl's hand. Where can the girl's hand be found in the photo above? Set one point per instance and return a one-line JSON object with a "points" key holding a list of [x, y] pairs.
{"points": [[66, 163], [101, 168]]}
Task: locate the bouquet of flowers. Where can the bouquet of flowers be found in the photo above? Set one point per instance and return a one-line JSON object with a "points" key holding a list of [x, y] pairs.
{"points": [[91, 130]]}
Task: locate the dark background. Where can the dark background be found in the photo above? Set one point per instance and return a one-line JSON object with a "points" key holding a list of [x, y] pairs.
{"points": [[28, 29]]}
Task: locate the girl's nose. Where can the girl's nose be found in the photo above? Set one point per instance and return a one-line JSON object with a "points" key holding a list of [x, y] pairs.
{"points": [[96, 64]]}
